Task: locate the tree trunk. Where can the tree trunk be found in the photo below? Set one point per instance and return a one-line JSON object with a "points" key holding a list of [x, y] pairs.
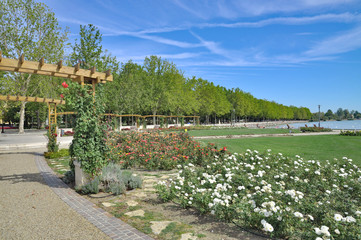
{"points": [[154, 113], [22, 118], [120, 123]]}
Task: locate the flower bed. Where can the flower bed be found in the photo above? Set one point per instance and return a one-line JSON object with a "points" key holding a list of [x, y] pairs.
{"points": [[157, 150], [315, 129], [283, 197]]}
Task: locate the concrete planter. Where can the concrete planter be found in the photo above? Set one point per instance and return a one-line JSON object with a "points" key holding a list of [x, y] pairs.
{"points": [[81, 178]]}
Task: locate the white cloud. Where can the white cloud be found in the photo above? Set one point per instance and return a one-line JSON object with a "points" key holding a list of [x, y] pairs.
{"points": [[205, 9], [345, 42], [344, 17]]}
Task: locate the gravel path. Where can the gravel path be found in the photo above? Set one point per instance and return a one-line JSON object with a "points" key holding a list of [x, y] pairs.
{"points": [[29, 209]]}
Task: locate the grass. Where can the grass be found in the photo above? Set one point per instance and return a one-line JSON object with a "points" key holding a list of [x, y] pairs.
{"points": [[321, 147], [239, 131], [56, 162]]}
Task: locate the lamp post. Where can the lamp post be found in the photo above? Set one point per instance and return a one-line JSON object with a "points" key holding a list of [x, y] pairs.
{"points": [[319, 116]]}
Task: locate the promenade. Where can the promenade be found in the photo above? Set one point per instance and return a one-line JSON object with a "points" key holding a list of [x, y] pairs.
{"points": [[36, 204]]}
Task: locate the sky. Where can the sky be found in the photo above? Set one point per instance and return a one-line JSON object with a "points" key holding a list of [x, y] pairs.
{"points": [[300, 52]]}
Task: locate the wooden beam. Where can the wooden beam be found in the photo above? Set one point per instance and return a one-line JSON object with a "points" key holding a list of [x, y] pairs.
{"points": [[30, 99], [49, 69], [40, 72], [107, 73]]}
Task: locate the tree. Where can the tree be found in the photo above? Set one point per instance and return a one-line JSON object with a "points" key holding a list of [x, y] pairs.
{"points": [[30, 28], [340, 114], [88, 51], [159, 78], [329, 114]]}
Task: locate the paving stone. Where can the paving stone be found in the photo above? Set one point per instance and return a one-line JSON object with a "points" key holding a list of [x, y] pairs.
{"points": [[132, 203], [106, 204], [188, 236], [138, 194], [158, 226], [136, 213]]}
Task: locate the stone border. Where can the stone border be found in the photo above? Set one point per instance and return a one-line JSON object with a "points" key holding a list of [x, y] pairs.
{"points": [[110, 225]]}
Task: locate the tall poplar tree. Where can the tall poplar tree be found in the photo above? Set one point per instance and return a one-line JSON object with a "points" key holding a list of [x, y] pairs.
{"points": [[30, 28]]}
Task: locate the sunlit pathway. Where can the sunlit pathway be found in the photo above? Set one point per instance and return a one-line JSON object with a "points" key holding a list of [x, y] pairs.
{"points": [[29, 209]]}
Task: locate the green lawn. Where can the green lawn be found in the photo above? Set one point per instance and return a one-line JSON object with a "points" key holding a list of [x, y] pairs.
{"points": [[238, 131], [309, 147]]}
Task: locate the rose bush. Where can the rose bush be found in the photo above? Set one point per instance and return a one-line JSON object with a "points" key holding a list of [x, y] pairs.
{"points": [[284, 197], [157, 150]]}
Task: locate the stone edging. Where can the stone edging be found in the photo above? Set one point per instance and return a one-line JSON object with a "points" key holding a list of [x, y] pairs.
{"points": [[110, 225]]}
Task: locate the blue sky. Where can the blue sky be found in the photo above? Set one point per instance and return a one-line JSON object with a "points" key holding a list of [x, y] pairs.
{"points": [[300, 52]]}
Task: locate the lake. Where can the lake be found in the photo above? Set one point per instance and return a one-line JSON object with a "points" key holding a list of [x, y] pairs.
{"points": [[346, 124]]}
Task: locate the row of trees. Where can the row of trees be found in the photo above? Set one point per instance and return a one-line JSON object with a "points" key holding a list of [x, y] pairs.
{"points": [[340, 114], [155, 87]]}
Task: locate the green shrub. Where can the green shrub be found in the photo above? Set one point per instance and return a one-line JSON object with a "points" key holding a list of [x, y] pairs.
{"points": [[91, 187], [52, 145], [69, 177], [117, 180], [350, 133], [116, 188], [315, 129]]}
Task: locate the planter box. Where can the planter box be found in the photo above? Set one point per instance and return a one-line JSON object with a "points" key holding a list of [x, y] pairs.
{"points": [[81, 178]]}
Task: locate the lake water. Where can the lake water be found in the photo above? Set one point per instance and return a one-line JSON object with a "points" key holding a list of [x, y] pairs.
{"points": [[352, 124]]}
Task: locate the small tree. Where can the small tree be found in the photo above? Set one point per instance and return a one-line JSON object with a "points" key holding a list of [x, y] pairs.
{"points": [[89, 141]]}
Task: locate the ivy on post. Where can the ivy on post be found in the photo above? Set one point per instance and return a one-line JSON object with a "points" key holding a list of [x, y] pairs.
{"points": [[52, 145], [89, 141]]}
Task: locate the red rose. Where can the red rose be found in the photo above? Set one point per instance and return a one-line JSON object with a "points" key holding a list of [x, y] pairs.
{"points": [[65, 85], [61, 95]]}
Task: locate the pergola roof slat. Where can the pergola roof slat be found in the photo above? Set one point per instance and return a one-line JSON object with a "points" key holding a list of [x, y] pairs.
{"points": [[58, 70]]}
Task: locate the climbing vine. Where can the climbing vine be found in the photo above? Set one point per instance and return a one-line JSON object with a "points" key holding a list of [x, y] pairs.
{"points": [[89, 141]]}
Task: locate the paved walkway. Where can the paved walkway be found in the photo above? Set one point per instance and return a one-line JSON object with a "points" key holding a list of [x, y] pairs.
{"points": [[11, 140], [35, 204]]}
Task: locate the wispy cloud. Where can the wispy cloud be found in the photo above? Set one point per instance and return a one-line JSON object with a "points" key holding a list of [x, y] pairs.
{"points": [[204, 9], [344, 42], [211, 46], [344, 17]]}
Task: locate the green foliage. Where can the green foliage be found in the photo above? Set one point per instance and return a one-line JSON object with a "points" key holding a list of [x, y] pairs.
{"points": [[58, 154], [29, 27], [116, 188], [163, 193], [91, 187], [69, 177], [117, 180], [89, 141], [350, 133], [52, 145], [315, 129]]}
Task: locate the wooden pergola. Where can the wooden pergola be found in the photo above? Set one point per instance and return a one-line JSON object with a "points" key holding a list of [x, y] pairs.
{"points": [[75, 73]]}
